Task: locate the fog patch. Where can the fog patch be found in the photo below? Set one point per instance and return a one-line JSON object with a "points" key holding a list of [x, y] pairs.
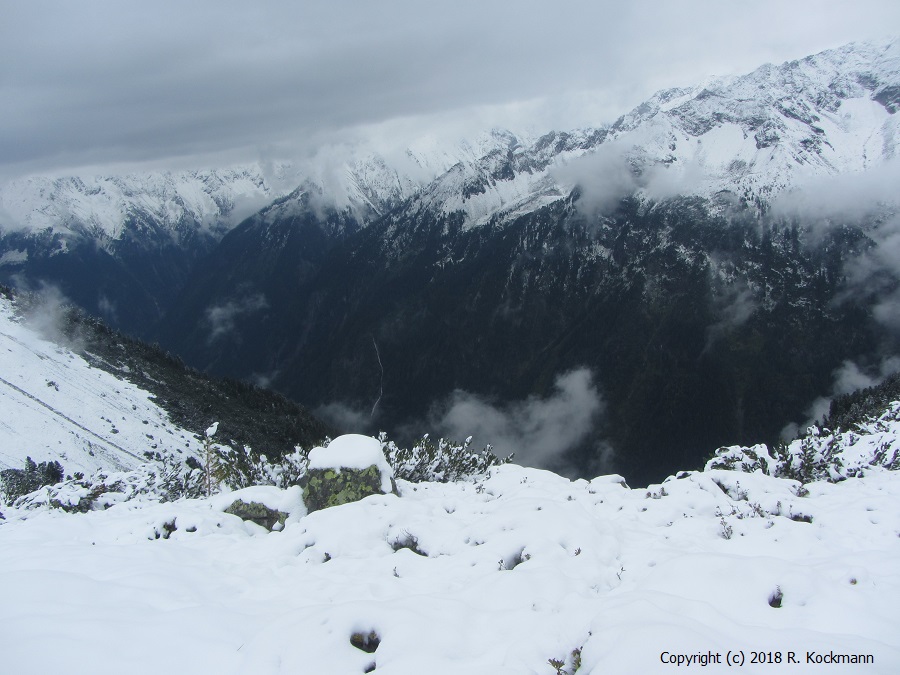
{"points": [[47, 313], [603, 177], [734, 307], [108, 309], [539, 431], [874, 276], [221, 319], [618, 169], [841, 198], [661, 181], [264, 380], [344, 417]]}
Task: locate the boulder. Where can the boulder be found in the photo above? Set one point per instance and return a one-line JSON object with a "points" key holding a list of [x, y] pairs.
{"points": [[258, 513], [351, 468]]}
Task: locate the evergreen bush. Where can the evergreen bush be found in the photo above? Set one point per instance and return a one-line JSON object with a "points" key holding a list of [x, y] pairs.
{"points": [[16, 483]]}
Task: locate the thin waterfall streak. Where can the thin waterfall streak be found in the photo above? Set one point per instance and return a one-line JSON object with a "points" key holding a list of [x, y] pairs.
{"points": [[381, 383]]}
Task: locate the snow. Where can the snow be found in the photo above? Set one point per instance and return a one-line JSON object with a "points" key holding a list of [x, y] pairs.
{"points": [[104, 205], [518, 569], [56, 406], [353, 451]]}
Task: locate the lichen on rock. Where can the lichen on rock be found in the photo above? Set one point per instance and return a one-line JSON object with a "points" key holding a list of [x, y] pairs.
{"points": [[258, 513], [351, 468]]}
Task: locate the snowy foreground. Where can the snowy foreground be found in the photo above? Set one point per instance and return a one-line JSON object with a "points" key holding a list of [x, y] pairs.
{"points": [[497, 576], [493, 576]]}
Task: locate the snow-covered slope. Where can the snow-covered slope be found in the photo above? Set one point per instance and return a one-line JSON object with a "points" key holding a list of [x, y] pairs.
{"points": [[706, 571], [775, 128], [55, 406]]}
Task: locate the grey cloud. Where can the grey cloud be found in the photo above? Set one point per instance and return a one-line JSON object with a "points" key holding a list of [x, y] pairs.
{"points": [[847, 197], [735, 305], [47, 315], [221, 319], [92, 83], [868, 199], [603, 177], [618, 169], [346, 418], [538, 430], [874, 276]]}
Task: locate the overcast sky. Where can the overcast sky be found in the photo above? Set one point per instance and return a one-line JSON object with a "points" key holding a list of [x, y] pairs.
{"points": [[119, 85]]}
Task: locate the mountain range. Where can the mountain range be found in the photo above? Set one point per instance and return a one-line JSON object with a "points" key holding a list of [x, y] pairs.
{"points": [[699, 271]]}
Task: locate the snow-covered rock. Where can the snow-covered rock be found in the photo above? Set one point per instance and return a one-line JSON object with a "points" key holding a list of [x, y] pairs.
{"points": [[350, 468]]}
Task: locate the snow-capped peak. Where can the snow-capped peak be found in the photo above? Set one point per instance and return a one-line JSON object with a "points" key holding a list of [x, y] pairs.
{"points": [[752, 136]]}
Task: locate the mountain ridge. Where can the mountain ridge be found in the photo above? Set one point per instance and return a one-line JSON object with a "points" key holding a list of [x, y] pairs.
{"points": [[648, 252]]}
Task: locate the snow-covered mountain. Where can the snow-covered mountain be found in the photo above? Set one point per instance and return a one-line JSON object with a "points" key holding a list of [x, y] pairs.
{"points": [[647, 251], [752, 137], [105, 206], [644, 250], [354, 178]]}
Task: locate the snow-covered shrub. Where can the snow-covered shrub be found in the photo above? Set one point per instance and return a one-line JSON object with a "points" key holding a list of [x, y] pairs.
{"points": [[738, 458], [244, 467], [16, 483], [165, 478], [444, 461], [441, 461], [821, 454], [848, 411]]}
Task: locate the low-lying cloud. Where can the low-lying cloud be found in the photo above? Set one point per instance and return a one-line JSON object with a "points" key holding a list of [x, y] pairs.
{"points": [[346, 418], [47, 314], [842, 198], [618, 169], [734, 307], [603, 177], [869, 200], [221, 319], [538, 430]]}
